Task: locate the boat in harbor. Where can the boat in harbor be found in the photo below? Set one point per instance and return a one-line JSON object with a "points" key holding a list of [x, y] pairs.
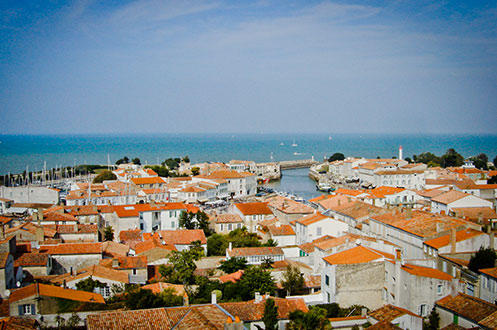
{"points": [[294, 144], [324, 186]]}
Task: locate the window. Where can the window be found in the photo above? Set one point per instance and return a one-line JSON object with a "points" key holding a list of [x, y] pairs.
{"points": [[328, 297], [327, 280], [134, 271], [26, 309], [422, 309], [439, 289], [230, 226], [318, 231], [173, 224]]}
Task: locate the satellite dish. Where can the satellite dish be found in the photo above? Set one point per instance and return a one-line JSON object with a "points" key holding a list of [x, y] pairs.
{"points": [[7, 293], [358, 241], [18, 284]]}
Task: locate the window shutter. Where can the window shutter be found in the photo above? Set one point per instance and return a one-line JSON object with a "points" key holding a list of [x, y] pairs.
{"points": [[33, 312], [19, 308]]}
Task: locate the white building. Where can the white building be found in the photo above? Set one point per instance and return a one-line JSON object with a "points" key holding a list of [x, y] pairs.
{"points": [[446, 202], [255, 255], [317, 225], [30, 194]]}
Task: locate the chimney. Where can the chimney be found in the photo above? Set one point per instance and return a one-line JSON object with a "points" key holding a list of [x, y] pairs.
{"points": [[186, 302], [2, 233], [492, 238], [453, 240], [398, 255], [115, 263], [213, 298], [338, 201], [439, 227], [237, 324], [40, 234], [64, 284], [408, 213], [40, 214], [453, 287], [400, 153], [230, 246], [258, 298]]}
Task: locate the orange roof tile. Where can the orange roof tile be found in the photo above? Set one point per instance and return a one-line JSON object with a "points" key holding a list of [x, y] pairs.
{"points": [[461, 235], [253, 208], [255, 251], [130, 235], [250, 311], [449, 197], [357, 255], [150, 244], [228, 218], [343, 191], [72, 248], [469, 307], [56, 292], [313, 218], [283, 230], [289, 206], [426, 272], [233, 277], [94, 271], [148, 180], [183, 236], [489, 271], [161, 286], [32, 259], [390, 312]]}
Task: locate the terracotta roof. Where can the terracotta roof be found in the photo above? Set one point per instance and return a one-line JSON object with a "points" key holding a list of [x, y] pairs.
{"points": [[389, 313], [18, 323], [233, 277], [183, 236], [289, 206], [228, 218], [474, 213], [337, 241], [130, 235], [358, 210], [56, 292], [253, 208], [150, 244], [251, 311], [32, 259], [5, 220], [57, 216], [255, 251], [469, 307], [114, 249], [357, 255], [148, 180], [319, 198], [461, 235], [161, 286], [489, 271], [227, 174], [130, 262], [450, 197], [420, 223], [490, 322], [74, 229], [283, 230], [384, 325], [307, 247], [383, 191], [313, 218], [431, 193], [351, 192], [426, 272], [133, 210], [72, 248], [205, 317], [95, 271], [80, 210]]}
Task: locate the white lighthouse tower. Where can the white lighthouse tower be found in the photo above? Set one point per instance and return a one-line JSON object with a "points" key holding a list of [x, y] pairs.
{"points": [[400, 153]]}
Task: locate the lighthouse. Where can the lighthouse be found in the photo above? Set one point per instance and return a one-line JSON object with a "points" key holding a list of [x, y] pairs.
{"points": [[400, 153]]}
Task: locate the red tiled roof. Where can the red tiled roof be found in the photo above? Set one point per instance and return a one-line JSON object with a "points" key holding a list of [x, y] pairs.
{"points": [[255, 251], [469, 307], [389, 313], [251, 311], [228, 218], [94, 271], [461, 235], [357, 255], [4, 257], [72, 248], [183, 236], [152, 244], [313, 218], [426, 272], [130, 235], [489, 271], [32, 259], [161, 286], [148, 180], [253, 208], [449, 197], [283, 230], [56, 292], [233, 277]]}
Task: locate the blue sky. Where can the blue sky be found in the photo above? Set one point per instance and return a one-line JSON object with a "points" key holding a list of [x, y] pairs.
{"points": [[248, 66]]}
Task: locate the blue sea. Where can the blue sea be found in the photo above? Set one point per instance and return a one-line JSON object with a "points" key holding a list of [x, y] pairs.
{"points": [[19, 151]]}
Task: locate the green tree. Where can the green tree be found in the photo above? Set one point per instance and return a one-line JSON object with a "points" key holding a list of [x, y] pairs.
{"points": [[104, 176], [255, 279], [182, 266], [172, 163], [293, 280], [270, 317], [336, 156], [451, 159], [271, 243], [89, 284], [109, 233], [185, 159], [483, 258], [136, 161], [216, 245], [199, 220], [315, 319], [492, 180], [161, 171], [233, 264], [495, 161], [480, 161], [426, 158], [240, 237], [73, 321], [195, 170], [124, 160], [433, 322]]}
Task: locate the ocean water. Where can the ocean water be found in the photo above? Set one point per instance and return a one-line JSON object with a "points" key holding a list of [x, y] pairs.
{"points": [[19, 151]]}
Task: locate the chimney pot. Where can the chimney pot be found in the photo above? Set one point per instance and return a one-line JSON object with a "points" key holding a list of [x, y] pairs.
{"points": [[213, 298]]}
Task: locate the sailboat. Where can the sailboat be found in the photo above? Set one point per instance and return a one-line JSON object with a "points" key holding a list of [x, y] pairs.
{"points": [[294, 144], [282, 144], [330, 138]]}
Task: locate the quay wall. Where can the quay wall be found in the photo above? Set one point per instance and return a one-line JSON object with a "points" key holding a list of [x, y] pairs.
{"points": [[301, 163]]}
